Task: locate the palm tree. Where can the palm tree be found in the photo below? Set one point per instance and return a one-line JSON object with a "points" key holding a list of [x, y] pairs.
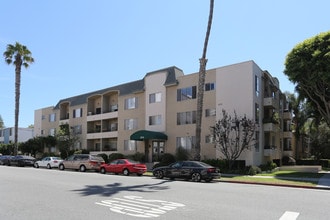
{"points": [[17, 55], [201, 84]]}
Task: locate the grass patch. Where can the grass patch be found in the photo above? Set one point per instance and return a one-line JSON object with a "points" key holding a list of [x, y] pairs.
{"points": [[293, 174]]}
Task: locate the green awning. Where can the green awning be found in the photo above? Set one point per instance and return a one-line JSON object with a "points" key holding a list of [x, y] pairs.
{"points": [[148, 135]]}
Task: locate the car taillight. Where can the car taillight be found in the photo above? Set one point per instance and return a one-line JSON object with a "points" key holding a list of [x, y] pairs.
{"points": [[55, 161], [211, 170]]}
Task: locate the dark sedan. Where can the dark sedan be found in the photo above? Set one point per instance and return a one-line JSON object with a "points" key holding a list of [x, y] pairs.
{"points": [[5, 159], [194, 170], [22, 161]]}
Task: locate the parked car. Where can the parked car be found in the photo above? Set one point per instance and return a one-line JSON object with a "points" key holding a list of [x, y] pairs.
{"points": [[194, 170], [82, 162], [124, 166], [4, 159], [49, 162], [22, 161]]}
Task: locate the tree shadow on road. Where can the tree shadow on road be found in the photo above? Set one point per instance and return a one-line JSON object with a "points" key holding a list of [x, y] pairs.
{"points": [[111, 189]]}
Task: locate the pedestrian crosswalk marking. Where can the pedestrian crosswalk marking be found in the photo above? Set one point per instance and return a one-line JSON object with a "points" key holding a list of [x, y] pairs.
{"points": [[289, 215], [139, 207]]}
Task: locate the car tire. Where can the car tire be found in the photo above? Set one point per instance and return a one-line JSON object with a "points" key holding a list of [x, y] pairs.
{"points": [[159, 174], [36, 165], [82, 168], [102, 170], [196, 177], [139, 174], [61, 167], [126, 172], [49, 166]]}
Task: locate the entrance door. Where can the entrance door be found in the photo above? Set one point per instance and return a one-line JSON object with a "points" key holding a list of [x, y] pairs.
{"points": [[158, 148]]}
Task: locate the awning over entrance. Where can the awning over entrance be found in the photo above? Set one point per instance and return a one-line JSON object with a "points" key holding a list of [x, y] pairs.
{"points": [[147, 135]]}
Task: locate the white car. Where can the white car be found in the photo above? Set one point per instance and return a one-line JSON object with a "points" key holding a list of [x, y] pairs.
{"points": [[48, 162]]}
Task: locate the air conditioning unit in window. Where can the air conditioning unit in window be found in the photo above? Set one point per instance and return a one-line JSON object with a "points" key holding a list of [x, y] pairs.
{"points": [[113, 127], [114, 108]]}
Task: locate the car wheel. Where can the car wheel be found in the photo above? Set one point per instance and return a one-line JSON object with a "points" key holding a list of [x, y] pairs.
{"points": [[61, 167], [126, 172], [159, 174], [139, 174], [103, 171], [82, 168], [36, 165], [48, 166], [196, 177]]}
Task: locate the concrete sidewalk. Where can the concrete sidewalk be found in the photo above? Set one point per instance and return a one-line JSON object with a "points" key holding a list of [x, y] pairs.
{"points": [[324, 182]]}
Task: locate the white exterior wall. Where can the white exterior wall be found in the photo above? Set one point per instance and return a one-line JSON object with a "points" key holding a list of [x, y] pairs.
{"points": [[236, 92]]}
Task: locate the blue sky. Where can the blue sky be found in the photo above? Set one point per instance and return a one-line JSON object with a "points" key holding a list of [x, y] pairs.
{"points": [[81, 46]]}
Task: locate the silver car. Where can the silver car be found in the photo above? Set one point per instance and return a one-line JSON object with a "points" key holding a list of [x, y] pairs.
{"points": [[82, 162], [49, 162]]}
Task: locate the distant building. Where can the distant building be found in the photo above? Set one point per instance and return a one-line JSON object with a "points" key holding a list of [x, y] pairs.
{"points": [[157, 114], [7, 135]]}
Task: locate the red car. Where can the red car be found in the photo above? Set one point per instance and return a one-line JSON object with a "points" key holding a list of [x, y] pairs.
{"points": [[124, 166]]}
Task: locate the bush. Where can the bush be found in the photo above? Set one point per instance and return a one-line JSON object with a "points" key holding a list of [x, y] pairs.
{"points": [[182, 154], [269, 166], [165, 160], [253, 170], [105, 157], [115, 156], [137, 157]]}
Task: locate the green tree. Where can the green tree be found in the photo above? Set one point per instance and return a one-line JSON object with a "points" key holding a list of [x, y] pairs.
{"points": [[66, 139], [201, 84], [2, 125], [233, 136], [18, 55], [308, 66]]}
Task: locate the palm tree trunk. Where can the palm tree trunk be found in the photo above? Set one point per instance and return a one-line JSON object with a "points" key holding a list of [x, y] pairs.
{"points": [[201, 84], [17, 97]]}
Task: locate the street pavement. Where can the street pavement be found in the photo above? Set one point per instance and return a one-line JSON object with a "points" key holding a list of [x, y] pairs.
{"points": [[324, 182]]}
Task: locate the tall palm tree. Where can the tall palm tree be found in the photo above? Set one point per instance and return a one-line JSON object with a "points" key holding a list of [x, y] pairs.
{"points": [[201, 84], [17, 55]]}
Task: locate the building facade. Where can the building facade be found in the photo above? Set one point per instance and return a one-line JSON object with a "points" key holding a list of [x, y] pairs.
{"points": [[7, 135], [157, 114]]}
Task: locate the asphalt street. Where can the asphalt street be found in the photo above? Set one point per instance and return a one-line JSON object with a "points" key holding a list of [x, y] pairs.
{"points": [[29, 193]]}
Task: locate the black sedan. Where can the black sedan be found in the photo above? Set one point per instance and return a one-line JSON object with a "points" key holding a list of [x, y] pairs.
{"points": [[194, 170], [22, 160]]}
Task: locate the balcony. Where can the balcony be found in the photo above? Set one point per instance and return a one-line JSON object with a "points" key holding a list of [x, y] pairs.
{"points": [[287, 134], [100, 135], [270, 127], [269, 150], [97, 117], [287, 115], [269, 102]]}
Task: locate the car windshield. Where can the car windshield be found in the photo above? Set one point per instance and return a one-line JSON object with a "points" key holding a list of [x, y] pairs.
{"points": [[99, 158]]}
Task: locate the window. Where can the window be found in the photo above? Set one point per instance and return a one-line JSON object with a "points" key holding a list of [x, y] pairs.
{"points": [[257, 112], [155, 97], [52, 132], [257, 146], [77, 113], [77, 129], [184, 118], [185, 142], [209, 86], [257, 85], [209, 139], [129, 145], [52, 117], [210, 112], [186, 93], [155, 120], [130, 124], [131, 103]]}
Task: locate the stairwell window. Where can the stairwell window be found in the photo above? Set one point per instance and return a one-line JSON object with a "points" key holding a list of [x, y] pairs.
{"points": [[186, 93], [155, 120], [52, 117], [155, 97]]}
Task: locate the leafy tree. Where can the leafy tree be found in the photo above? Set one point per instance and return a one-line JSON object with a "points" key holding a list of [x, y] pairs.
{"points": [[201, 84], [32, 146], [308, 66], [17, 55], [233, 136], [1, 123], [319, 138], [66, 139]]}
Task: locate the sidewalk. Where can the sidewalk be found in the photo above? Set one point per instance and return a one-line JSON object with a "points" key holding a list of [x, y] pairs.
{"points": [[324, 182]]}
